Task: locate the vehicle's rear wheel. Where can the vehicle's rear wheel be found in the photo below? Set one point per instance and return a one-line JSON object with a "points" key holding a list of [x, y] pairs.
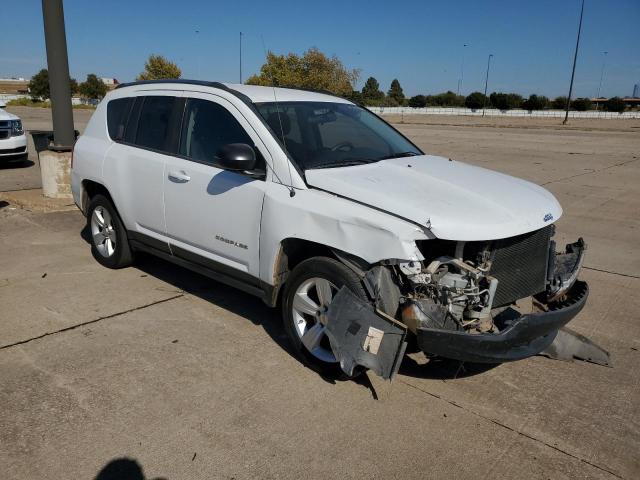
{"points": [[308, 293], [109, 242]]}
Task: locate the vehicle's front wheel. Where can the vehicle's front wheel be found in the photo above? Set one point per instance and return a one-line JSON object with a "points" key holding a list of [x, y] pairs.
{"points": [[308, 293], [109, 242]]}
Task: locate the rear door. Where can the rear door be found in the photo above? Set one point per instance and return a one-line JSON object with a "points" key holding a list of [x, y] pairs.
{"points": [[134, 165], [213, 215]]}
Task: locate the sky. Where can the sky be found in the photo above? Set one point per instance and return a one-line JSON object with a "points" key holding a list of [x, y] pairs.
{"points": [[418, 42]]}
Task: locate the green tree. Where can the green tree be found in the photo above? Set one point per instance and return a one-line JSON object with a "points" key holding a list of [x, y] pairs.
{"points": [[92, 87], [395, 92], [418, 101], [475, 100], [615, 104], [535, 102], [446, 99], [580, 104], [157, 67], [312, 70], [559, 103], [355, 96], [39, 86], [505, 101], [73, 83], [371, 92]]}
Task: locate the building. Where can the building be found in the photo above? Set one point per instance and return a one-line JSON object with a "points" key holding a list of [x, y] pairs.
{"points": [[631, 102], [636, 91], [111, 83]]}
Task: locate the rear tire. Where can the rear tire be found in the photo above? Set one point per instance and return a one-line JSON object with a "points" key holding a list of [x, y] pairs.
{"points": [[308, 292], [109, 241]]}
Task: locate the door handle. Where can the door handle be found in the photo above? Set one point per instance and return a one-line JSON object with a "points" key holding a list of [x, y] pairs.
{"points": [[179, 177]]}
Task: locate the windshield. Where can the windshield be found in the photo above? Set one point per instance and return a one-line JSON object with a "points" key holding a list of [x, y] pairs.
{"points": [[324, 135]]}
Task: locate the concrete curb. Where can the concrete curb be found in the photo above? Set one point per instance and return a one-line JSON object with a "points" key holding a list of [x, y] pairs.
{"points": [[33, 200]]}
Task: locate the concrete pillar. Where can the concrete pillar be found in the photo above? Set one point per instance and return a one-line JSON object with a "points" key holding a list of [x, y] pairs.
{"points": [[55, 168]]}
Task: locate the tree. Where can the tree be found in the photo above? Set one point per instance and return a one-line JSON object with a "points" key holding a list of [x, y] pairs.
{"points": [[475, 100], [312, 70], [580, 104], [615, 104], [92, 87], [419, 101], [446, 99], [395, 91], [371, 91], [157, 67], [535, 102], [73, 84], [39, 86], [505, 101], [559, 103], [355, 96]]}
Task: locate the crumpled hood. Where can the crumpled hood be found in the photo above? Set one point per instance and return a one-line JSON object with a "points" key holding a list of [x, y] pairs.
{"points": [[4, 115], [456, 201]]}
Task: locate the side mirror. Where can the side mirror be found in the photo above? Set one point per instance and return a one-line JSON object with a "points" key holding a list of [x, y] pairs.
{"points": [[236, 157]]}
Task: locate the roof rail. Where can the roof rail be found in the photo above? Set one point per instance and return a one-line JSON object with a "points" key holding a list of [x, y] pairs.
{"points": [[202, 83]]}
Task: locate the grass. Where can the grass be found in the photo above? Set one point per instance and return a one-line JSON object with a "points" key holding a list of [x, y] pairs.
{"points": [[27, 102]]}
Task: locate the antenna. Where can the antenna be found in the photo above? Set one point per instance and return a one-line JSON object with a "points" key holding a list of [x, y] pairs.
{"points": [[292, 192]]}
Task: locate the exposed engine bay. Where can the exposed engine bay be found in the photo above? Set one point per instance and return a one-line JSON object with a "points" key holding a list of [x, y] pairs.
{"points": [[489, 302]]}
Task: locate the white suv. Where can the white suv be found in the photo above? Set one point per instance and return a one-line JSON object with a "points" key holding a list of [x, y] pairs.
{"points": [[312, 202], [13, 141]]}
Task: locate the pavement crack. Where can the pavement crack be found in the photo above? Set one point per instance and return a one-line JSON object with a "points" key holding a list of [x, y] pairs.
{"points": [[591, 171], [611, 273], [511, 429], [89, 322]]}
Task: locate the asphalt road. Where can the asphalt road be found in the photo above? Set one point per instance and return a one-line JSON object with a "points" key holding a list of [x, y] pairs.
{"points": [[191, 379]]}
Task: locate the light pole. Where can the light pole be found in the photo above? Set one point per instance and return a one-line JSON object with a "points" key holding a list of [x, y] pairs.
{"points": [[240, 57], [573, 71], [58, 65], [461, 80], [604, 62], [486, 83], [197, 32]]}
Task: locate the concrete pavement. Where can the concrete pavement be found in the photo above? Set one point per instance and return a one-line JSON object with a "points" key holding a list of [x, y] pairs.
{"points": [[193, 379]]}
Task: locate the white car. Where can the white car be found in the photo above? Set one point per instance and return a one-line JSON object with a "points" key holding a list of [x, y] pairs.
{"points": [[314, 203], [13, 141]]}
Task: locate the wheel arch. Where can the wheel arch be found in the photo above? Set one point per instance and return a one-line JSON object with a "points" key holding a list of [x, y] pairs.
{"points": [[292, 251]]}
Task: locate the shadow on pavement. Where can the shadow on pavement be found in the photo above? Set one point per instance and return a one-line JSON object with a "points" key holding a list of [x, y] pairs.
{"points": [[254, 310], [122, 469], [443, 368], [3, 203]]}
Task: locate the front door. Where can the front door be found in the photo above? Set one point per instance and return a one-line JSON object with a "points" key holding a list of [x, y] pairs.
{"points": [[213, 215]]}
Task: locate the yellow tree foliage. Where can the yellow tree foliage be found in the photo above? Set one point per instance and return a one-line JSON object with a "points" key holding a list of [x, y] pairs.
{"points": [[158, 67], [313, 70]]}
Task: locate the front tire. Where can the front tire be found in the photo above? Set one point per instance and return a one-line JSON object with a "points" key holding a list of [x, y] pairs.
{"points": [[109, 242], [308, 293]]}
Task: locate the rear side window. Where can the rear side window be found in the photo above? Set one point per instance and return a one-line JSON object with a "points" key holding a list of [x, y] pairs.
{"points": [[117, 114], [153, 124], [206, 128]]}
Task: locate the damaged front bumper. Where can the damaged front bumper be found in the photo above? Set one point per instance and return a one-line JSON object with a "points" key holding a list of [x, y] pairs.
{"points": [[524, 337]]}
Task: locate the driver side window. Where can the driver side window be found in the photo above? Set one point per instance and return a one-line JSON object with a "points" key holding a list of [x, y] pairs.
{"points": [[208, 126]]}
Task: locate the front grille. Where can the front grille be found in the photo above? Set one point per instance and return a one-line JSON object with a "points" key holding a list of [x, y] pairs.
{"points": [[520, 265], [4, 124], [5, 134]]}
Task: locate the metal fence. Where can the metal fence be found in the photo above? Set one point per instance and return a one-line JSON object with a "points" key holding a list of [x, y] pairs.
{"points": [[492, 112]]}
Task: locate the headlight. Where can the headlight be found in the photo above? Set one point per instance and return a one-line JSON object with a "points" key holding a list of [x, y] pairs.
{"points": [[16, 128]]}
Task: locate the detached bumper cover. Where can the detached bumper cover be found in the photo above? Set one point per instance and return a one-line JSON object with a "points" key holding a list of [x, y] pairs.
{"points": [[525, 337]]}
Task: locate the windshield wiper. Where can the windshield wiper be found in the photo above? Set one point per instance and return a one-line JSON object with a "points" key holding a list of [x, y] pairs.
{"points": [[343, 163], [399, 155]]}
